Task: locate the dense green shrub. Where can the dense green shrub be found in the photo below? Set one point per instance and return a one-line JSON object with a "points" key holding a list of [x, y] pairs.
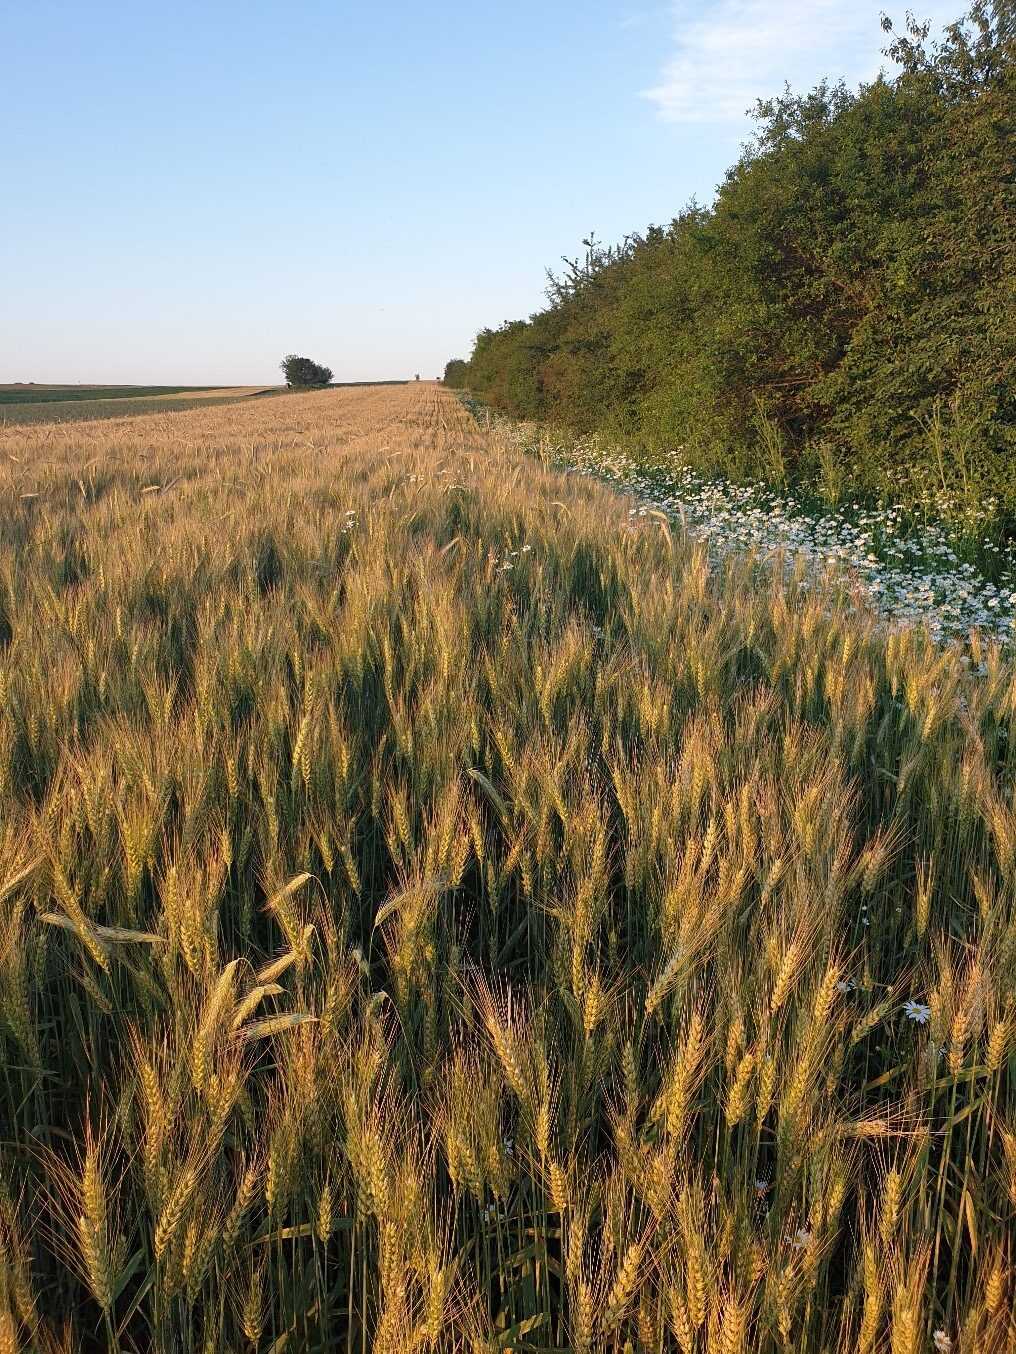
{"points": [[844, 313], [301, 371], [455, 372]]}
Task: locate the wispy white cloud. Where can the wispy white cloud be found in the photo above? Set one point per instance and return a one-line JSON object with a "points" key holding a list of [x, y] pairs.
{"points": [[728, 53]]}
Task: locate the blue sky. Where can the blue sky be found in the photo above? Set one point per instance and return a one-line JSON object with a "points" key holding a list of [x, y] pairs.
{"points": [[191, 190]]}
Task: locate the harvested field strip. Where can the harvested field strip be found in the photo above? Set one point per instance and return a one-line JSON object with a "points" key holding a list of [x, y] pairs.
{"points": [[85, 411]]}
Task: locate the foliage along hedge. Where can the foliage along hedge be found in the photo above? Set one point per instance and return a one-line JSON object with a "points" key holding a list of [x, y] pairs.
{"points": [[456, 372], [844, 313]]}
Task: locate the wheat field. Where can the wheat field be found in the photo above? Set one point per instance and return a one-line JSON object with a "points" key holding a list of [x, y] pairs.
{"points": [[438, 913]]}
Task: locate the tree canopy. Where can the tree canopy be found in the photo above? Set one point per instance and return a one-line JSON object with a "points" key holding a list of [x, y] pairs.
{"points": [[455, 372], [301, 371]]}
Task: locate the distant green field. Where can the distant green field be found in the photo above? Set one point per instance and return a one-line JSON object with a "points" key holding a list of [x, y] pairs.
{"points": [[49, 394], [75, 411], [67, 404], [345, 384]]}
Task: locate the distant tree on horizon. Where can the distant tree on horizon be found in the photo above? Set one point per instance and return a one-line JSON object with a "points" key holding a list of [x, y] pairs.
{"points": [[301, 371], [455, 372]]}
